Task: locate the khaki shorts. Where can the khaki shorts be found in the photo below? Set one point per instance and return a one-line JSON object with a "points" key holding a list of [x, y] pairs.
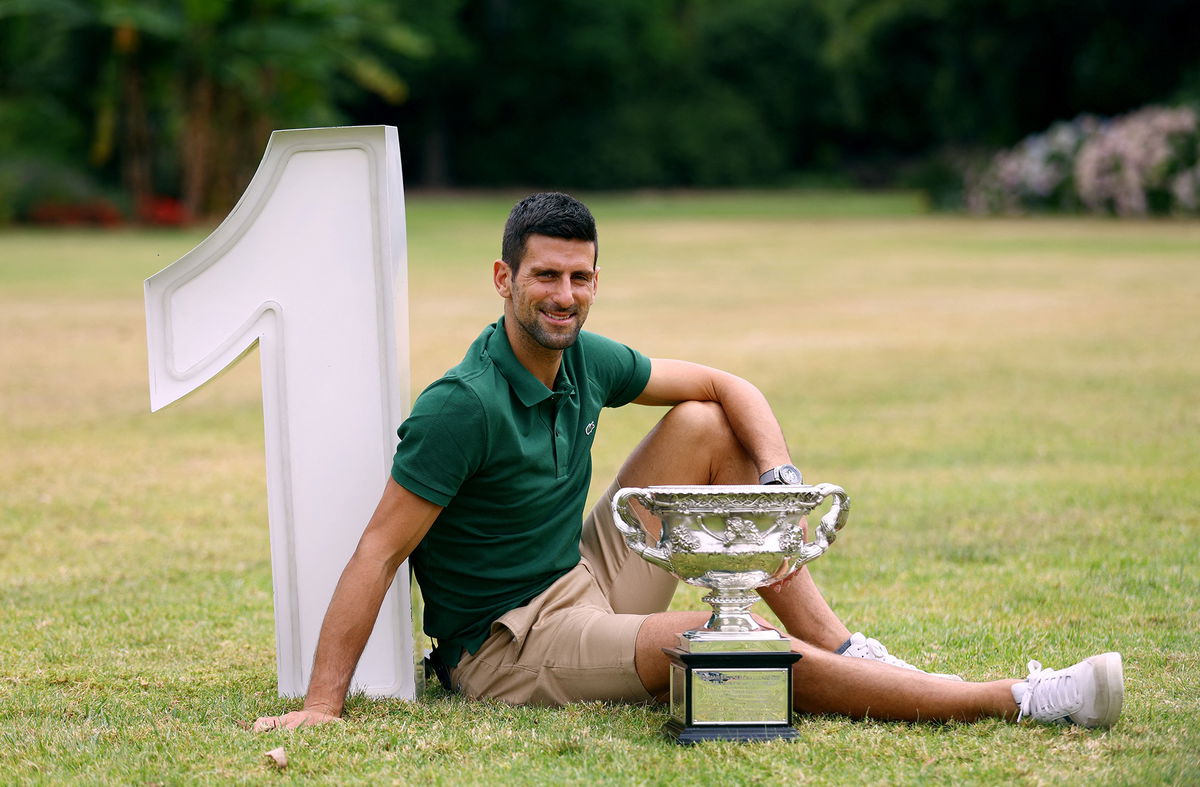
{"points": [[576, 640]]}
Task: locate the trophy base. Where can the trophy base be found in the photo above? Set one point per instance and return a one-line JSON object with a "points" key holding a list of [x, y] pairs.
{"points": [[730, 696], [686, 735], [707, 641]]}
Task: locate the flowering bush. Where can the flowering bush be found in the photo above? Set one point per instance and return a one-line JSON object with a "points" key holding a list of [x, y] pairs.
{"points": [[1036, 174], [1145, 162]]}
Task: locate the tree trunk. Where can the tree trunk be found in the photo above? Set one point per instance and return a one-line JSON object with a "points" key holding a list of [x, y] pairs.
{"points": [[137, 159], [435, 155], [196, 153]]}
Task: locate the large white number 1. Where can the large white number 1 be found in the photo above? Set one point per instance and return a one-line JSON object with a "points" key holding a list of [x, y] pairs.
{"points": [[309, 265]]}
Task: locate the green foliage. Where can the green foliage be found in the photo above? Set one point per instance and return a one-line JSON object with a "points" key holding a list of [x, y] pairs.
{"points": [[703, 93], [175, 97], [41, 134], [180, 97]]}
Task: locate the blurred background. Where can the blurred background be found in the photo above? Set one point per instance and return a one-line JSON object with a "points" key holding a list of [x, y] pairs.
{"points": [[157, 111]]}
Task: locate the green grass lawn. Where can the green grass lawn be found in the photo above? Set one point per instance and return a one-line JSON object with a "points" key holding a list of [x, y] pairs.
{"points": [[1013, 406]]}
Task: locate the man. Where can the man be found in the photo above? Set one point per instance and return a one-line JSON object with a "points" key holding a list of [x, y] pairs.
{"points": [[529, 606]]}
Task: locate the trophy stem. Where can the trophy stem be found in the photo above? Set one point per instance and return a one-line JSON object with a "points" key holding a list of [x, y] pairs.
{"points": [[731, 611]]}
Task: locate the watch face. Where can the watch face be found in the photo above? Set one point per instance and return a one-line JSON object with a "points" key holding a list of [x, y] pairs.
{"points": [[789, 475]]}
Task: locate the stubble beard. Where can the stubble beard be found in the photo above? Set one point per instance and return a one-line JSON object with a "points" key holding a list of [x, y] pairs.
{"points": [[528, 319], [547, 339]]}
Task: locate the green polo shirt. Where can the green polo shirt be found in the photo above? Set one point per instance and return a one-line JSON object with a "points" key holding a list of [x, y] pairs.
{"points": [[510, 462]]}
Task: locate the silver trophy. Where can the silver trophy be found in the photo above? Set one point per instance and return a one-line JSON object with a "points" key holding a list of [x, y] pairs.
{"points": [[732, 679]]}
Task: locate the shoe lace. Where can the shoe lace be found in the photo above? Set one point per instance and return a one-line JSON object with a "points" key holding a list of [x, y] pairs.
{"points": [[1047, 693], [880, 653]]}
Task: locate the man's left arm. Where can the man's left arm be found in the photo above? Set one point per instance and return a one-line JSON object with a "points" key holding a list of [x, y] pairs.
{"points": [[747, 410]]}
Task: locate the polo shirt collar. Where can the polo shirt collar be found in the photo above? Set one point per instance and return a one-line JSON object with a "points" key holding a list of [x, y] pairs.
{"points": [[529, 389]]}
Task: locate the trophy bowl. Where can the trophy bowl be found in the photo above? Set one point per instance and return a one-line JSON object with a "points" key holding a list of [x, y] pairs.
{"points": [[731, 540]]}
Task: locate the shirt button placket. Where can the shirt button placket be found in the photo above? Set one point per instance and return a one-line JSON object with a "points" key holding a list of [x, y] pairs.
{"points": [[560, 439]]}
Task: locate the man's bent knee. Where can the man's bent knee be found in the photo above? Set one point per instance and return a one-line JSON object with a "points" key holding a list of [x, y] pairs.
{"points": [[702, 427], [692, 444], [700, 417]]}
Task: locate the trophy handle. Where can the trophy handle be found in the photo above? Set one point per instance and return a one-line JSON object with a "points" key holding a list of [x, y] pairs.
{"points": [[833, 521], [627, 521]]}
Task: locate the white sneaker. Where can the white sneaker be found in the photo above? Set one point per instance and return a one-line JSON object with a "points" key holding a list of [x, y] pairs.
{"points": [[861, 646], [1089, 694]]}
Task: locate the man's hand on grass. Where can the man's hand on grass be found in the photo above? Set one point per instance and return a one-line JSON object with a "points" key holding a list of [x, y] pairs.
{"points": [[293, 720]]}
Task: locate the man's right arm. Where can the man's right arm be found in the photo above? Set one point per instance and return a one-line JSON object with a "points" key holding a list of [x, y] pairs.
{"points": [[399, 523]]}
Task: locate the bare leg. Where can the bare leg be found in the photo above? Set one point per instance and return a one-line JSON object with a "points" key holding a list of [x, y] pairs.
{"points": [[660, 631], [804, 612], [694, 444], [826, 683]]}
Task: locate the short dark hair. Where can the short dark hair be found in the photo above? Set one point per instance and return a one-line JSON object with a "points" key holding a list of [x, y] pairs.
{"points": [[547, 213]]}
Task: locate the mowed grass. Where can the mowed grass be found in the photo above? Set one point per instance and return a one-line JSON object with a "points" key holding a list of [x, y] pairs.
{"points": [[1013, 406]]}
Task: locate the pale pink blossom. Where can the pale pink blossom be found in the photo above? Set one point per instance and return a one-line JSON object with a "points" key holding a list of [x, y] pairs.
{"points": [[1148, 160]]}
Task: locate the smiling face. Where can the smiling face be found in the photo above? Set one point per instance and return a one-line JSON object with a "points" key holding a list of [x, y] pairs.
{"points": [[549, 295]]}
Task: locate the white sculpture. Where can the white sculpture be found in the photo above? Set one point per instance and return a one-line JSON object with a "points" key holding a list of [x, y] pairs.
{"points": [[309, 265]]}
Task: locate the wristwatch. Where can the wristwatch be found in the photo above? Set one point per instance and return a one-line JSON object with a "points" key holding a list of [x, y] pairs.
{"points": [[786, 475]]}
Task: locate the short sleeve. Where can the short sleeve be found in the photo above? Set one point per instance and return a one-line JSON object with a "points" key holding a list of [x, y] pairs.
{"points": [[442, 442], [631, 385], [620, 372]]}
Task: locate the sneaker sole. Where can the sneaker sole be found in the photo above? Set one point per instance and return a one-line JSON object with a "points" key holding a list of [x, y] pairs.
{"points": [[1109, 672]]}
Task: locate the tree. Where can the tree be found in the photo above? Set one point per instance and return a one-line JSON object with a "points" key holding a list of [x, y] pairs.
{"points": [[184, 94]]}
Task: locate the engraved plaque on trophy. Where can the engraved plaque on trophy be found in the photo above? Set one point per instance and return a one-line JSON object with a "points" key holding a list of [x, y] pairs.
{"points": [[732, 679]]}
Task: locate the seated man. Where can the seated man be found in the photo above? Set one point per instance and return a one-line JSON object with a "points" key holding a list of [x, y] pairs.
{"points": [[529, 604]]}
